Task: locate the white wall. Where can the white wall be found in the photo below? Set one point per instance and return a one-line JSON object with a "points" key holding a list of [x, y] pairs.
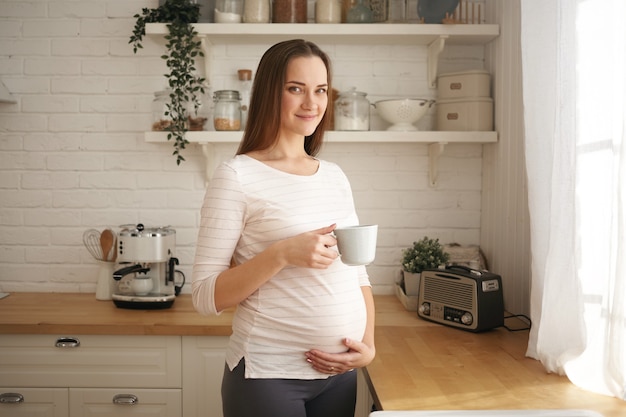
{"points": [[73, 155]]}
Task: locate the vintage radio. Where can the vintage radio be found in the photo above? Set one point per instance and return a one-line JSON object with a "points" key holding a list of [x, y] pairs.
{"points": [[461, 297]]}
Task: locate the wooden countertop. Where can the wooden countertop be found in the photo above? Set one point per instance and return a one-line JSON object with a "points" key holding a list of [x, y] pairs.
{"points": [[74, 313], [418, 365], [423, 365]]}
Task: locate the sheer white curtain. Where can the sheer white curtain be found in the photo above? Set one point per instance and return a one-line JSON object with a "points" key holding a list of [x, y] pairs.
{"points": [[574, 84]]}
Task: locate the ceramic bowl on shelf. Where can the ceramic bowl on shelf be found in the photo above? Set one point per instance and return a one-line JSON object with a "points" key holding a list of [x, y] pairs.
{"points": [[403, 113]]}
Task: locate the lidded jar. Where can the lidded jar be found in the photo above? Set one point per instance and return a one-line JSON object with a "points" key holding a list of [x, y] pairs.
{"points": [[160, 120], [328, 11], [352, 111], [228, 11], [245, 83], [360, 13], [289, 11], [256, 11], [227, 110]]}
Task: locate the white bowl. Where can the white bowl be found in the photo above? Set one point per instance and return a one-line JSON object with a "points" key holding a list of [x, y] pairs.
{"points": [[403, 113]]}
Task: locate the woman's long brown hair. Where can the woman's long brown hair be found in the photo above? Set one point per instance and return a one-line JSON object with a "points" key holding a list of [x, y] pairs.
{"points": [[261, 130]]}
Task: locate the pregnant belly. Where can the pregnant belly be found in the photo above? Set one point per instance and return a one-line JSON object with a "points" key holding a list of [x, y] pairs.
{"points": [[303, 328]]}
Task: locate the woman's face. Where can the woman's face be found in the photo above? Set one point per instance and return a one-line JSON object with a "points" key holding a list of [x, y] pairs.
{"points": [[305, 96]]}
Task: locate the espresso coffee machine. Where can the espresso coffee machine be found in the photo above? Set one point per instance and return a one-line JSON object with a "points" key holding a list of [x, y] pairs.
{"points": [[146, 277]]}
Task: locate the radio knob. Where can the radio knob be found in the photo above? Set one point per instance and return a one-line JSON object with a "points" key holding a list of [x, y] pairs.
{"points": [[467, 319], [425, 309]]}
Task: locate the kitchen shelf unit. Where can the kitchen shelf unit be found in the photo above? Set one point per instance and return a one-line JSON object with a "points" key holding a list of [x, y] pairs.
{"points": [[436, 142], [435, 36]]}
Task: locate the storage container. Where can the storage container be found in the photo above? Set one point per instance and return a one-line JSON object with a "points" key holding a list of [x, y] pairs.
{"points": [[289, 11], [160, 119], [465, 114], [328, 11], [352, 111], [228, 11], [475, 83], [227, 111]]}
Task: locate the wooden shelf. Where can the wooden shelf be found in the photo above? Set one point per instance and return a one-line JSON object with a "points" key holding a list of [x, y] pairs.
{"points": [[369, 33], [436, 141], [347, 137]]}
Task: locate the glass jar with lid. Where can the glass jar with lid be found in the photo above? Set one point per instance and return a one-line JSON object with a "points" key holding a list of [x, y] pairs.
{"points": [[228, 11], [289, 11], [160, 119], [360, 13], [352, 111], [227, 110]]}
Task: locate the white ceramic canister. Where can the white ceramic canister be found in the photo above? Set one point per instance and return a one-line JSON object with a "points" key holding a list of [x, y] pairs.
{"points": [[256, 11], [328, 11], [105, 283]]}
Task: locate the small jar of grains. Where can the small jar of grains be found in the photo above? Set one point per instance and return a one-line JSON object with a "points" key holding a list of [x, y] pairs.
{"points": [[160, 119], [227, 111]]}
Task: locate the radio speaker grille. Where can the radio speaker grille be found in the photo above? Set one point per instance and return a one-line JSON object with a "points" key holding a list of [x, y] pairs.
{"points": [[448, 292]]}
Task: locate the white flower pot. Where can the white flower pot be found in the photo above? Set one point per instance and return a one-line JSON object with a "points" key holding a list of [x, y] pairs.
{"points": [[411, 283]]}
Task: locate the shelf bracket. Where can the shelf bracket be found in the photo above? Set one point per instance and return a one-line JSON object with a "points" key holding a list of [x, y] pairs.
{"points": [[434, 50], [434, 152], [5, 95]]}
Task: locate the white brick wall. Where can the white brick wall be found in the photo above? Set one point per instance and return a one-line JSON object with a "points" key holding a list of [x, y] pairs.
{"points": [[73, 157]]}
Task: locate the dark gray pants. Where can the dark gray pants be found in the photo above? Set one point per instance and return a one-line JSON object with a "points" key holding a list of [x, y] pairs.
{"points": [[332, 397]]}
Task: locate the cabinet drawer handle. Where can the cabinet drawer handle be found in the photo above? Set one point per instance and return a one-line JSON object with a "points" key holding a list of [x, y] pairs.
{"points": [[11, 398], [125, 399], [67, 342]]}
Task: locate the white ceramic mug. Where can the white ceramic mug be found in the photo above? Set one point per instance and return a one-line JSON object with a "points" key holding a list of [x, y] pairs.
{"points": [[141, 285], [357, 244]]}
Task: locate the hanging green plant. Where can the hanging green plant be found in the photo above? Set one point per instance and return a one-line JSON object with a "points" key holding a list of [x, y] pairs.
{"points": [[182, 49]]}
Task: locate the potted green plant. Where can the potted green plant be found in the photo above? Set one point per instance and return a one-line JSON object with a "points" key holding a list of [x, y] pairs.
{"points": [[183, 48], [424, 254]]}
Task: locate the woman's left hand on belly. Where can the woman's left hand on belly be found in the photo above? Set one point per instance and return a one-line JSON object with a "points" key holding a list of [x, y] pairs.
{"points": [[358, 355]]}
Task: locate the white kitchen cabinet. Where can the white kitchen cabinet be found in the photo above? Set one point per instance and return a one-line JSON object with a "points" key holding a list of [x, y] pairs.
{"points": [[364, 399], [90, 375], [90, 402], [90, 361], [107, 376], [33, 402], [203, 366]]}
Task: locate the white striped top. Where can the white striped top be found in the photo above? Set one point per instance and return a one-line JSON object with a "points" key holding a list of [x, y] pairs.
{"points": [[250, 205]]}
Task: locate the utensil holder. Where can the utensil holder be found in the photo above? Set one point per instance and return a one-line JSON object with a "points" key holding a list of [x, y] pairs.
{"points": [[104, 287]]}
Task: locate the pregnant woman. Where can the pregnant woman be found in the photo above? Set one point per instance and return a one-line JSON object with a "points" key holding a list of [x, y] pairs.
{"points": [[304, 321]]}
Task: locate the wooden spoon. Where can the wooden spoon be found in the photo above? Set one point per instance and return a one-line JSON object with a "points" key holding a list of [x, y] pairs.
{"points": [[107, 239], [114, 250]]}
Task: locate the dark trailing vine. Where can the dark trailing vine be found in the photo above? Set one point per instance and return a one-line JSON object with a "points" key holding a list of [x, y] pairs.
{"points": [[182, 49]]}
